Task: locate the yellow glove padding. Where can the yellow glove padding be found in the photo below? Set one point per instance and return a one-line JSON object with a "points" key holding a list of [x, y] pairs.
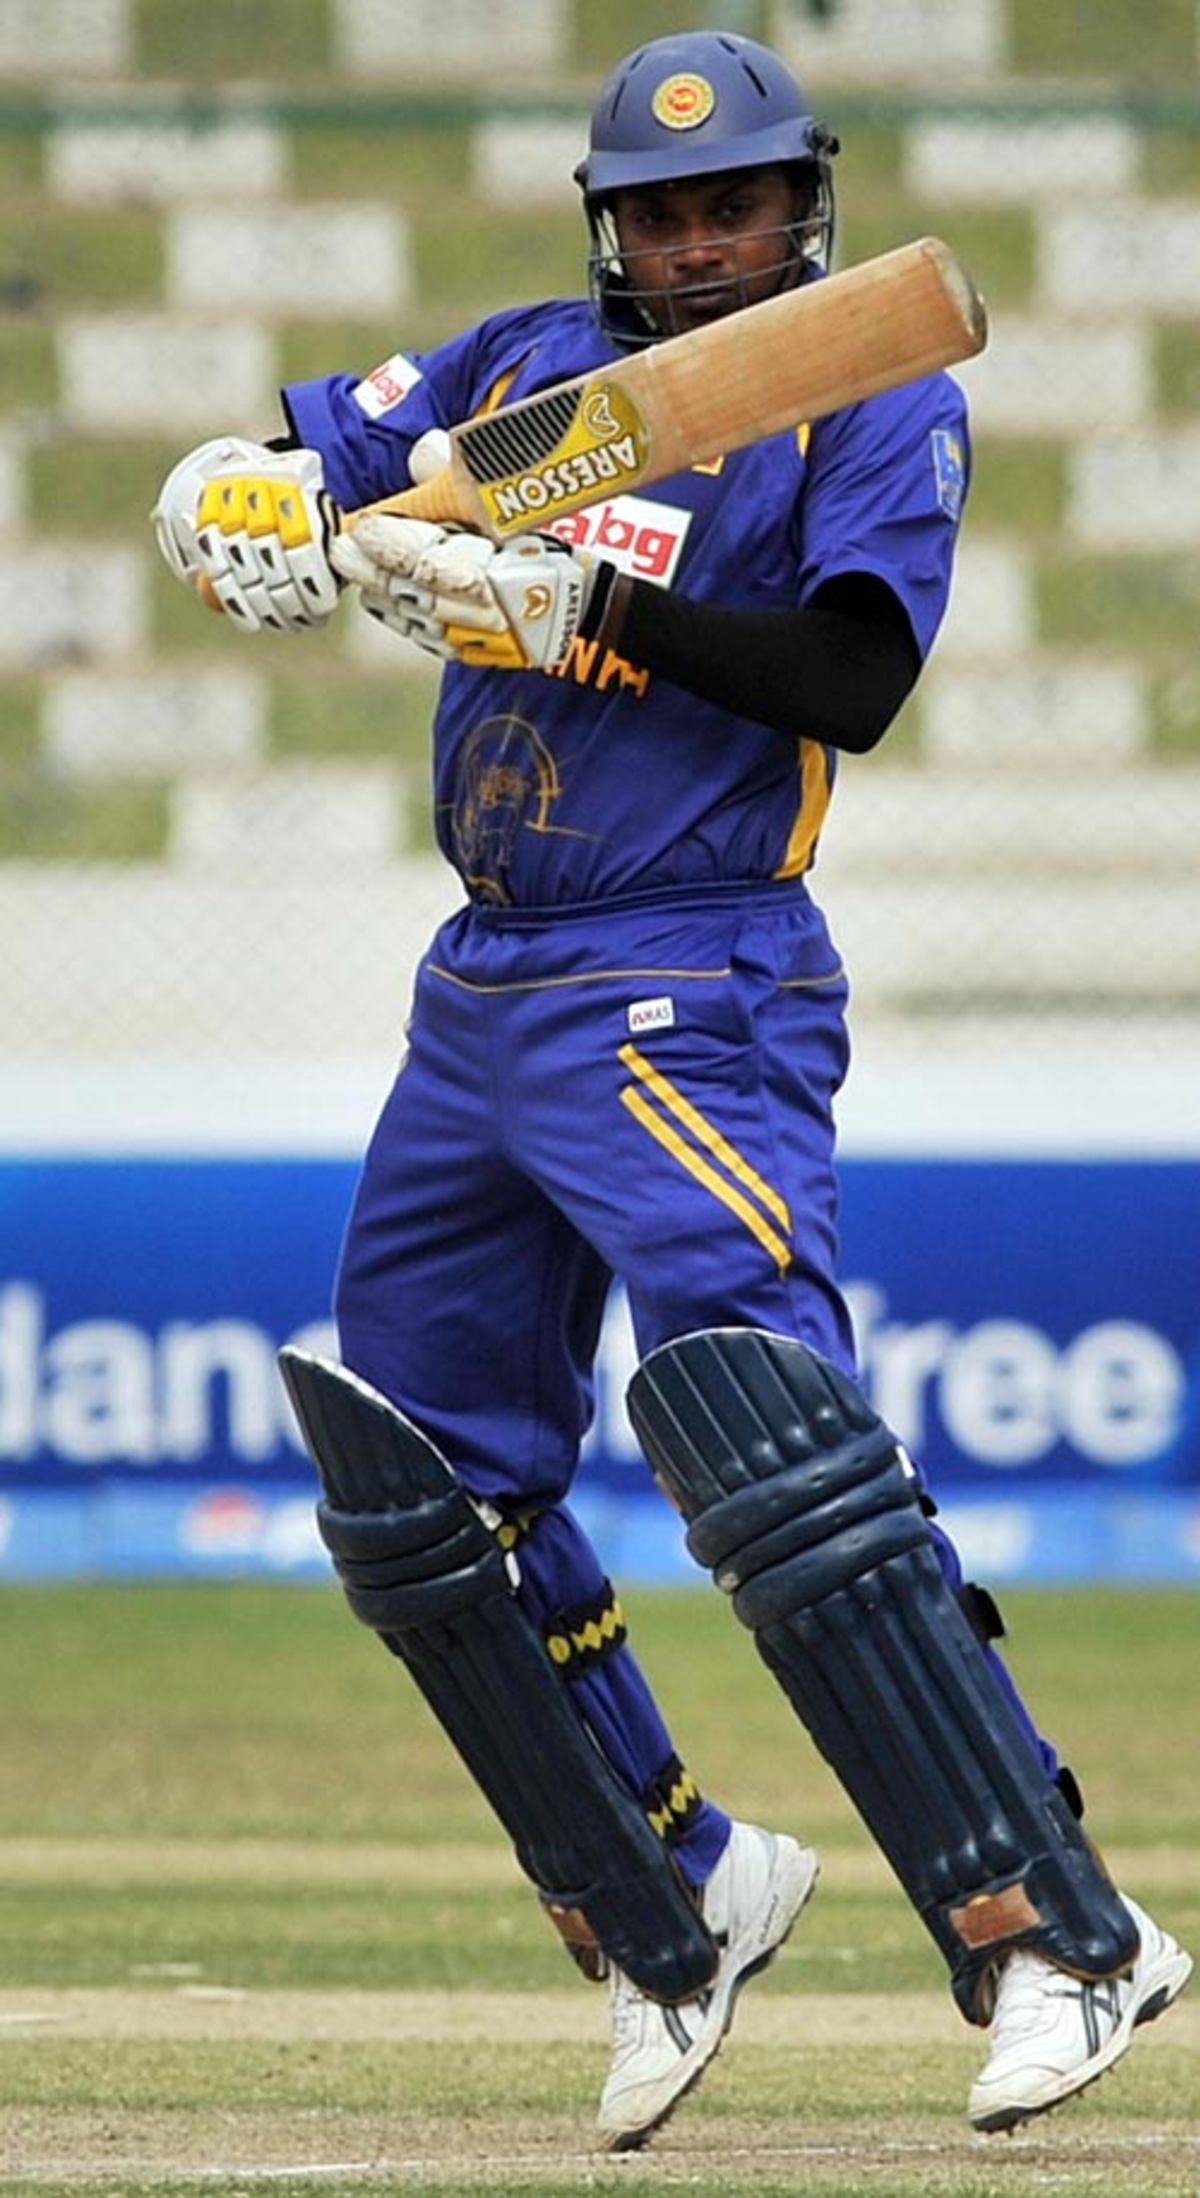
{"points": [[256, 523]]}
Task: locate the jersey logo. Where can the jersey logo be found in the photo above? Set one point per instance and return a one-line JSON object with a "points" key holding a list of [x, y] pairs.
{"points": [[639, 536], [387, 385], [949, 471], [652, 1014]]}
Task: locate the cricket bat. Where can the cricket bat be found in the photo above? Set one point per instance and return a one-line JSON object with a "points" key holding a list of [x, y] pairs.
{"points": [[691, 398], [694, 397]]}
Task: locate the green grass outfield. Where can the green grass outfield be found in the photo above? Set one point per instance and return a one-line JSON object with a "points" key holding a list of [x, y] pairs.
{"points": [[257, 1932]]}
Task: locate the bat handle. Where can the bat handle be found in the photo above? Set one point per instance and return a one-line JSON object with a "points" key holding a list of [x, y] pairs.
{"points": [[436, 499]]}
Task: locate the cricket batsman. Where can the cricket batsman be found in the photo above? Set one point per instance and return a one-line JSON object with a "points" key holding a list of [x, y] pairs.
{"points": [[623, 1060]]}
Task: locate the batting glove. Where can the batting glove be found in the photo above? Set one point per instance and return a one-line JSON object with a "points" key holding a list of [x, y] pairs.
{"points": [[257, 525], [513, 607]]}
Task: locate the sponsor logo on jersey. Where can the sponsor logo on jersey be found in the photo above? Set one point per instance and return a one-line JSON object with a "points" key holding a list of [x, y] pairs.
{"points": [[387, 385], [639, 536], [949, 471], [682, 102], [652, 1014]]}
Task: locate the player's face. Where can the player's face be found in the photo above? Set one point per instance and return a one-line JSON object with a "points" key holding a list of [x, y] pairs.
{"points": [[701, 248]]}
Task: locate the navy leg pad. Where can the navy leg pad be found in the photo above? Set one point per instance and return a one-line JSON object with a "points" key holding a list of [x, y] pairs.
{"points": [[803, 1505], [421, 1568]]}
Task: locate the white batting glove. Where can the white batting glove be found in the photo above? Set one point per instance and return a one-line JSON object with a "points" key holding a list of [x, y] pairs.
{"points": [[514, 607], [390, 593], [256, 524], [174, 515]]}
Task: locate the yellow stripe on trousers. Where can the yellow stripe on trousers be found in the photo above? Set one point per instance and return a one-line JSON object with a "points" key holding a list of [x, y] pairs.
{"points": [[706, 1134]]}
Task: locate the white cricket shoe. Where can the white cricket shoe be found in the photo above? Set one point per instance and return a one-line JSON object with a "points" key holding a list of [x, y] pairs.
{"points": [[749, 1903], [1052, 2035]]}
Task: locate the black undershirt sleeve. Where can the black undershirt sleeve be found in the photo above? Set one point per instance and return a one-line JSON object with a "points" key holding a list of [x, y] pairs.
{"points": [[836, 670]]}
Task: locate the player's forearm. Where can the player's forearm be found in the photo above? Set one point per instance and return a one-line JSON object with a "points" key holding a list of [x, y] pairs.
{"points": [[837, 670]]}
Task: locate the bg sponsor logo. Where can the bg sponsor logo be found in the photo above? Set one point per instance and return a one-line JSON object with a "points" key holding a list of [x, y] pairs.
{"points": [[639, 536], [387, 385]]}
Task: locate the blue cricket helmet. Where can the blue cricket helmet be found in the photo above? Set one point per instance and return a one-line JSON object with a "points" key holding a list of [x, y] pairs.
{"points": [[697, 104]]}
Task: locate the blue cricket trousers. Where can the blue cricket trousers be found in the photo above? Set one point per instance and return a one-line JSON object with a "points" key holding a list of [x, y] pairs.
{"points": [[645, 1091]]}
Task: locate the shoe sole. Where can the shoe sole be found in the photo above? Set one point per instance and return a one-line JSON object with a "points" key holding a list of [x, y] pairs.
{"points": [[632, 2140], [1164, 1985]]}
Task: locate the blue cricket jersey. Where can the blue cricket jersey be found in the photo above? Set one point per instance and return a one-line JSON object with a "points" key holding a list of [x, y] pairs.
{"points": [[599, 781]]}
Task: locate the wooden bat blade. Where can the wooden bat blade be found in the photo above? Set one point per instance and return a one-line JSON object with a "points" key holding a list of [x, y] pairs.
{"points": [[694, 397]]}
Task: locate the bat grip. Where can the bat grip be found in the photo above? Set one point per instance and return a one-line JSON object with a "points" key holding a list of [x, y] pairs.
{"points": [[437, 499]]}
